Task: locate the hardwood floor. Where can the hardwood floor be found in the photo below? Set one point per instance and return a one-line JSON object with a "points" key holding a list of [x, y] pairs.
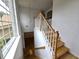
{"points": [[29, 46], [68, 56], [31, 57]]}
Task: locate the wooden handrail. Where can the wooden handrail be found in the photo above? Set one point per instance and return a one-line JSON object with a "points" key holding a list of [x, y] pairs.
{"points": [[47, 22]]}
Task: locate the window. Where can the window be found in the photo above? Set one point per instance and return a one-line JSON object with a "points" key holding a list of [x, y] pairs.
{"points": [[5, 28], [8, 29]]}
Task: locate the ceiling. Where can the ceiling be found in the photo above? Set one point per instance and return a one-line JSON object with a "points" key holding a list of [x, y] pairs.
{"points": [[36, 4]]}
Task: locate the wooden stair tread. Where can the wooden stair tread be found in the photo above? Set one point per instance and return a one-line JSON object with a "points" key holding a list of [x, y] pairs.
{"points": [[59, 44], [61, 51], [68, 56]]}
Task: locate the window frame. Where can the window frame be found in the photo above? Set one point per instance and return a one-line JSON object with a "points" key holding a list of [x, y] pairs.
{"points": [[9, 44]]}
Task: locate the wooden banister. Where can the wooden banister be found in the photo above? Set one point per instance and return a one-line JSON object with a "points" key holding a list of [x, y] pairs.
{"points": [[49, 32]]}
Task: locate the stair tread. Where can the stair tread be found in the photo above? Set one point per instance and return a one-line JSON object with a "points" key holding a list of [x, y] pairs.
{"points": [[60, 43], [61, 51]]}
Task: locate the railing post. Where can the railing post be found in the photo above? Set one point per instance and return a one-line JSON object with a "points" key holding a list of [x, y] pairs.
{"points": [[55, 40]]}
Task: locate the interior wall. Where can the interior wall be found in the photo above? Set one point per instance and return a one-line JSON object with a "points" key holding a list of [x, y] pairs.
{"points": [[66, 21], [19, 50], [27, 18], [19, 24]]}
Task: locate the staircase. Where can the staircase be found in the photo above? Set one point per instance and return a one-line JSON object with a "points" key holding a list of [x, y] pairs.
{"points": [[60, 51]]}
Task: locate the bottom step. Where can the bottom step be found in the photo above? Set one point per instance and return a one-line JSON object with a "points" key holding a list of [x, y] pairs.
{"points": [[61, 51]]}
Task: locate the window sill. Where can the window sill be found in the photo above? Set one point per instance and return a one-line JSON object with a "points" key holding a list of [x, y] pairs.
{"points": [[11, 53]]}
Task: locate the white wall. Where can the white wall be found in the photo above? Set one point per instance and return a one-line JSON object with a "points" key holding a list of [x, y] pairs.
{"points": [[27, 18], [19, 50], [66, 21], [40, 41]]}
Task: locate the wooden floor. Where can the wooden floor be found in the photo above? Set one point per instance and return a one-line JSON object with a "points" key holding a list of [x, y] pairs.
{"points": [[31, 57], [29, 45], [68, 56]]}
